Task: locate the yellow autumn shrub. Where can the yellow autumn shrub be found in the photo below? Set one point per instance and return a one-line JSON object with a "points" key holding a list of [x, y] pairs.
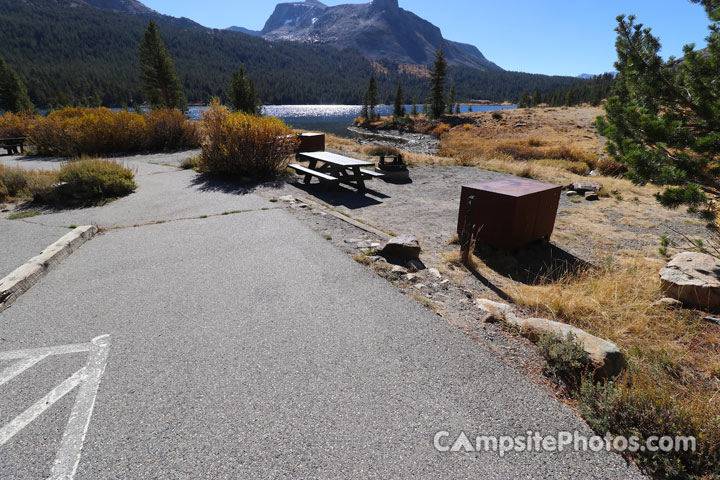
{"points": [[240, 145]]}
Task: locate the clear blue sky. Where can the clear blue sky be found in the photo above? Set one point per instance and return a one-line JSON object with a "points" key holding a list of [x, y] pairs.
{"points": [[554, 37]]}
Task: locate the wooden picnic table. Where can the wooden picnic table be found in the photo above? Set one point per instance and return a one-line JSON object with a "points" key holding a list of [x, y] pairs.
{"points": [[12, 145], [333, 168]]}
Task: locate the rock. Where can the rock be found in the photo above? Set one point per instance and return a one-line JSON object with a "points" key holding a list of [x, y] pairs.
{"points": [[420, 286], [415, 265], [582, 187], [353, 240], [694, 279], [399, 269], [287, 198], [572, 193], [500, 310], [591, 196], [713, 319], [668, 302], [373, 258], [405, 246], [435, 273], [489, 318], [410, 277], [368, 244], [606, 356]]}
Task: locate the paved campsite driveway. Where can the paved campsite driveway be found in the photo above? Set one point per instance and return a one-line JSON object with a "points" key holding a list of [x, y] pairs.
{"points": [[245, 346]]}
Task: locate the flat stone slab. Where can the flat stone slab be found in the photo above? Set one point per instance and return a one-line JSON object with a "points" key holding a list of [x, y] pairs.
{"points": [[405, 246], [694, 279]]}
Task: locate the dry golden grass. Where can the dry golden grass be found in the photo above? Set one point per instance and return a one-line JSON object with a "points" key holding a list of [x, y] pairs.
{"points": [[18, 183], [674, 355], [617, 302]]}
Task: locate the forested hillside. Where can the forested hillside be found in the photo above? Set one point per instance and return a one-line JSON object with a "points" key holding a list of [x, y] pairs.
{"points": [[72, 54]]}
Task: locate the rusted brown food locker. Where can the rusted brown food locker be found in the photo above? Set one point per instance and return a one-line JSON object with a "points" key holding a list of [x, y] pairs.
{"points": [[509, 213]]}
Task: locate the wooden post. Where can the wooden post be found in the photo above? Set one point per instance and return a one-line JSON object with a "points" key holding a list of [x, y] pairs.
{"points": [[467, 232]]}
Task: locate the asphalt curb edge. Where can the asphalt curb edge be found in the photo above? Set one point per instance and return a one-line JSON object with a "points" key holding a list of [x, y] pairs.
{"points": [[27, 275]]}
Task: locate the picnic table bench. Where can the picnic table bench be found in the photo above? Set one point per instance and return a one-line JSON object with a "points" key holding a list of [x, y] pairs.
{"points": [[14, 145], [334, 169]]}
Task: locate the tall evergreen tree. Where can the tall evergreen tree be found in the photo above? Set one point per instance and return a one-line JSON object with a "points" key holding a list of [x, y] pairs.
{"points": [[162, 86], [365, 112], [437, 85], [554, 101], [399, 107], [372, 97], [524, 101], [452, 99], [242, 93], [663, 119], [13, 94], [414, 111], [536, 98]]}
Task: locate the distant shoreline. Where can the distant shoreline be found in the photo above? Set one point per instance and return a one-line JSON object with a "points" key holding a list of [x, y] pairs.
{"points": [[475, 103]]}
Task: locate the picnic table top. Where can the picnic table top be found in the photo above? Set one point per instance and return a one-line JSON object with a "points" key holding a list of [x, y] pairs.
{"points": [[335, 159]]}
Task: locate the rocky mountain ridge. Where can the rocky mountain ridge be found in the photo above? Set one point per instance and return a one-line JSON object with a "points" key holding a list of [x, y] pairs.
{"points": [[380, 30]]}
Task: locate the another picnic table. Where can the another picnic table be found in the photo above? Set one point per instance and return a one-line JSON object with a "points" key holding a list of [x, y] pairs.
{"points": [[334, 169], [14, 145]]}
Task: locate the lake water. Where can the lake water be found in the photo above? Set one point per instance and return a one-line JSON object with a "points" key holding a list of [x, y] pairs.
{"points": [[334, 119]]}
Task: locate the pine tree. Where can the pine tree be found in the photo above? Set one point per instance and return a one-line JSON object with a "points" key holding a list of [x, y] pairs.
{"points": [[162, 86], [663, 118], [372, 98], [61, 99], [414, 111], [399, 107], [437, 85], [524, 101], [458, 110], [13, 94], [536, 98], [365, 112], [470, 109], [243, 97], [451, 99]]}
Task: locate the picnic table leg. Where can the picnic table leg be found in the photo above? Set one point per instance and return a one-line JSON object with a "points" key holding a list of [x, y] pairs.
{"points": [[358, 175], [308, 177]]}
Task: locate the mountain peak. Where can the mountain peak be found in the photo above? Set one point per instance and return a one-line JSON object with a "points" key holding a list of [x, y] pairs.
{"points": [[380, 30], [385, 5]]}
